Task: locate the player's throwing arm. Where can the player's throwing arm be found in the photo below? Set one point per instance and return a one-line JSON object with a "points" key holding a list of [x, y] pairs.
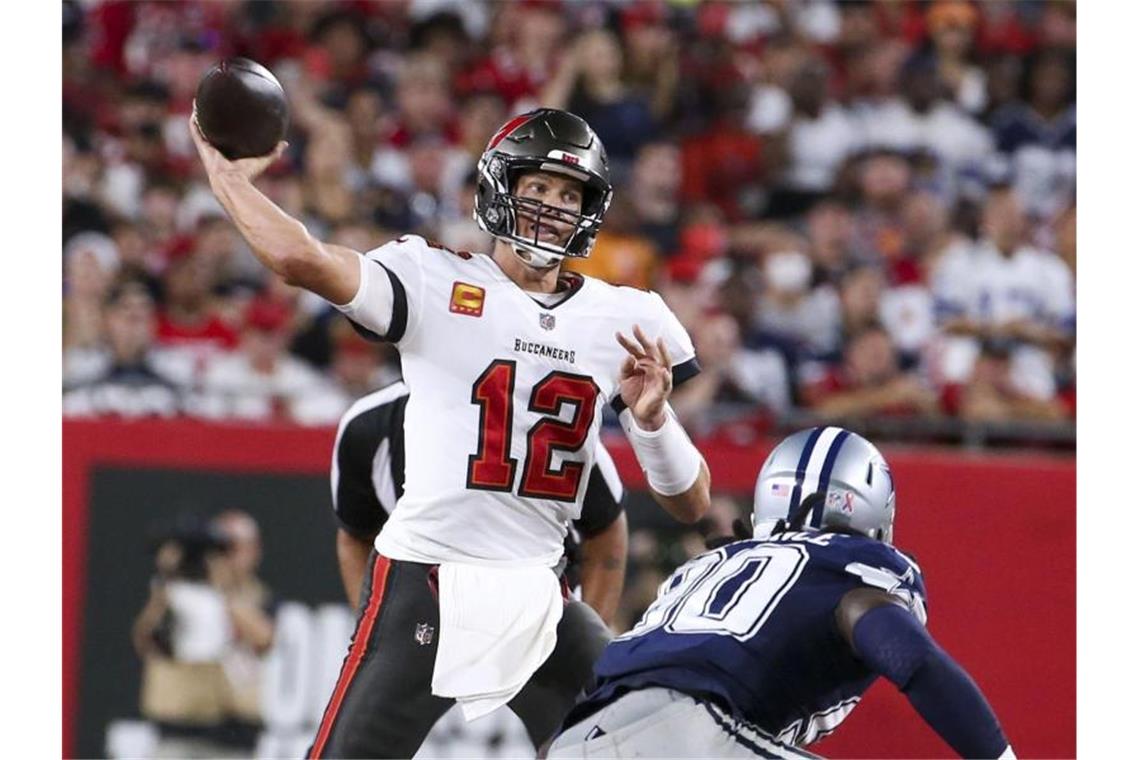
{"points": [[279, 241]]}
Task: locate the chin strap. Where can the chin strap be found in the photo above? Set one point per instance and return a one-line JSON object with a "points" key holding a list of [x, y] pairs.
{"points": [[536, 259]]}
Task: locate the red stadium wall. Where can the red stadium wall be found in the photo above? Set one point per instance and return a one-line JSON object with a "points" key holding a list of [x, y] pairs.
{"points": [[995, 536]]}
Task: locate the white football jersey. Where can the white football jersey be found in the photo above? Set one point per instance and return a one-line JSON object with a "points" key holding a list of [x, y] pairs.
{"points": [[506, 399], [1030, 285]]}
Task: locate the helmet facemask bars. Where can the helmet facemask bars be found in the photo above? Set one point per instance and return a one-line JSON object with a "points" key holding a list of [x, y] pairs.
{"points": [[548, 141]]}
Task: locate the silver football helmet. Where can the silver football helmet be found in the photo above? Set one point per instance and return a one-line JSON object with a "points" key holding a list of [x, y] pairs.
{"points": [[854, 485]]}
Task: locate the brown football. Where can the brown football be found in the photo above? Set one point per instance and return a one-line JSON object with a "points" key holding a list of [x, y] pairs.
{"points": [[242, 109]]}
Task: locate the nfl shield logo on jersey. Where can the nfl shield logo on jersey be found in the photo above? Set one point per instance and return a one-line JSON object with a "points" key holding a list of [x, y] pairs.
{"points": [[546, 321], [424, 633]]}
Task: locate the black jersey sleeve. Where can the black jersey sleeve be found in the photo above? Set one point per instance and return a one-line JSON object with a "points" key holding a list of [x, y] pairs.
{"points": [[368, 466], [604, 498]]}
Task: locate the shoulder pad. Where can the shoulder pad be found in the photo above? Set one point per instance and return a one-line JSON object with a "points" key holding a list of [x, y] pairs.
{"points": [[436, 246], [904, 583]]}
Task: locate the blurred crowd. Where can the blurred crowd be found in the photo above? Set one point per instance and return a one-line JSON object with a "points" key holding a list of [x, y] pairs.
{"points": [[858, 209]]}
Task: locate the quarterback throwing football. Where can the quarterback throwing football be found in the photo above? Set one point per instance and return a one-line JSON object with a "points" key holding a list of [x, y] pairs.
{"points": [[509, 361]]}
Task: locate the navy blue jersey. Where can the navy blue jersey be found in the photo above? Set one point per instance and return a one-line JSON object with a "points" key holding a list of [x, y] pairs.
{"points": [[751, 626]]}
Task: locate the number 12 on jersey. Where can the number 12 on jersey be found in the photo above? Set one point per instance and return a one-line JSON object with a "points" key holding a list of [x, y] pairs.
{"points": [[491, 467]]}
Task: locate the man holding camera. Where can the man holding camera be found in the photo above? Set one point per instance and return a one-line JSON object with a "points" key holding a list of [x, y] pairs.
{"points": [[201, 635]]}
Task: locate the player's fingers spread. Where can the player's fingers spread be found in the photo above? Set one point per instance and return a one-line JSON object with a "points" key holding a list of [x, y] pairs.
{"points": [[629, 345], [646, 345], [650, 367], [629, 366], [666, 359]]}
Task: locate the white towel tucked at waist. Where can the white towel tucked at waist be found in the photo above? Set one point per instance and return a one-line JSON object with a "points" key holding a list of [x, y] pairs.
{"points": [[497, 625]]}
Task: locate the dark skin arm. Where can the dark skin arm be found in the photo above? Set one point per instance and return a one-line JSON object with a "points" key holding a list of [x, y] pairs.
{"points": [[939, 690], [352, 557], [603, 568], [856, 603]]}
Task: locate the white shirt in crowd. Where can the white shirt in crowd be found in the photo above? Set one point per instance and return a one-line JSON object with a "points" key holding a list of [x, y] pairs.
{"points": [[232, 388], [945, 130], [818, 147], [993, 289]]}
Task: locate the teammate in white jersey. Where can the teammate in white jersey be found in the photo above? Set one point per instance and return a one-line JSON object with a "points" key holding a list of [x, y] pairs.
{"points": [[509, 362]]}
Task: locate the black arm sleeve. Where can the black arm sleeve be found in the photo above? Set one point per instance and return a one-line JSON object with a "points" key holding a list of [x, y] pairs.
{"points": [[357, 506], [600, 507], [894, 644]]}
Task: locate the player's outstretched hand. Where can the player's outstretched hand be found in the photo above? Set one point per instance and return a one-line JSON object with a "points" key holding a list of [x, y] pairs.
{"points": [[646, 378], [219, 167]]}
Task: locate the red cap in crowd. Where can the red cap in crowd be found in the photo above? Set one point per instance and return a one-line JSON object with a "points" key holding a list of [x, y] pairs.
{"points": [[267, 315]]}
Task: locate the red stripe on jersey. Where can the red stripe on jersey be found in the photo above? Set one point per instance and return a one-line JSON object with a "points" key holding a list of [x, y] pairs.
{"points": [[507, 128], [355, 653]]}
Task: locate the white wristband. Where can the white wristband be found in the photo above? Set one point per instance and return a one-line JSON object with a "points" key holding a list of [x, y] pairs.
{"points": [[670, 460]]}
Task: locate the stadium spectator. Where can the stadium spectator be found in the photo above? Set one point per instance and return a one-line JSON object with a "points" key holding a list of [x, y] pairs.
{"points": [[790, 308], [869, 382], [1039, 136], [340, 48], [262, 382], [1003, 84], [731, 373], [525, 37], [1065, 235], [651, 55], [621, 255], [122, 377], [951, 25], [923, 120], [1005, 290], [360, 366], [481, 114], [589, 82], [443, 35], [884, 181], [829, 227], [820, 137], [91, 261], [991, 393], [190, 322], [860, 293], [725, 163], [654, 187], [1059, 25]]}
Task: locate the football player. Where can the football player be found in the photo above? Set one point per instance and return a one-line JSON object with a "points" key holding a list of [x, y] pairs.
{"points": [[509, 361], [762, 646], [367, 478]]}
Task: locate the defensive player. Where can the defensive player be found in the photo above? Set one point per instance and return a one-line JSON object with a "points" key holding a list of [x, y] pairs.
{"points": [[762, 646], [509, 362], [367, 477]]}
